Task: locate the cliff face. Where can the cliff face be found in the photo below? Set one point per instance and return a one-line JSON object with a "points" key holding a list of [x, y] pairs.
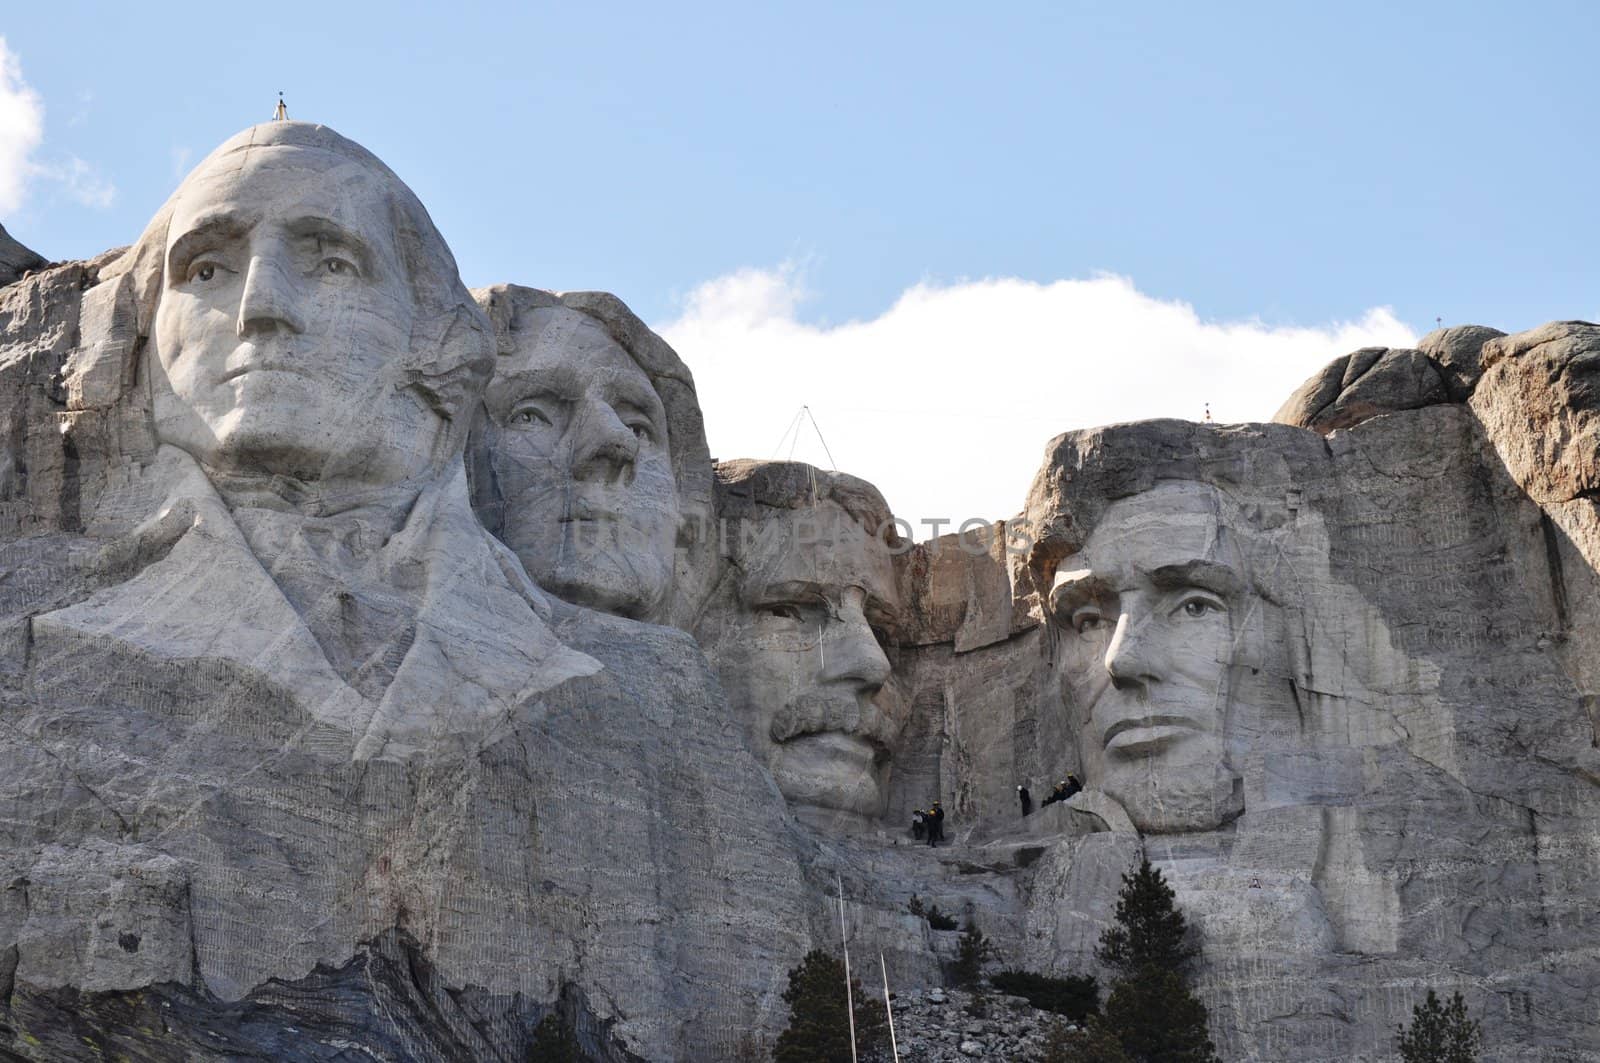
{"points": [[298, 760], [1401, 698]]}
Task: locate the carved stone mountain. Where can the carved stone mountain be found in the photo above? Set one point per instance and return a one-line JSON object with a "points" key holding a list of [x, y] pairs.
{"points": [[385, 667]]}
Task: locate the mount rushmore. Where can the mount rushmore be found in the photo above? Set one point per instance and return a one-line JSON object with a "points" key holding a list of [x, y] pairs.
{"points": [[385, 665]]}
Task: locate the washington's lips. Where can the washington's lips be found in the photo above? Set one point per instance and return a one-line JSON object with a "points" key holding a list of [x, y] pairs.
{"points": [[1142, 734], [263, 365]]}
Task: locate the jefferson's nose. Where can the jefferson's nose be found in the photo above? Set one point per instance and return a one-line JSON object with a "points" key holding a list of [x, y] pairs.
{"points": [[269, 301], [1131, 659], [852, 651], [603, 448]]}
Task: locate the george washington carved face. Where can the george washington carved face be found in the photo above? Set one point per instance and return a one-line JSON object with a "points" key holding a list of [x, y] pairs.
{"points": [[287, 312]]}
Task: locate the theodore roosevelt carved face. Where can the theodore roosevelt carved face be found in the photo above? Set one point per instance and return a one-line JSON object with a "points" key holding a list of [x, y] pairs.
{"points": [[1149, 620], [799, 630]]}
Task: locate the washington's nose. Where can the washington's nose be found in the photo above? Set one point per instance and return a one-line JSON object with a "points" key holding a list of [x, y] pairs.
{"points": [[269, 300], [853, 654], [1130, 660], [603, 448]]}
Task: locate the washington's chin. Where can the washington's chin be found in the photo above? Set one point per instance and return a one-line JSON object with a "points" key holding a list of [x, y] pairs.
{"points": [[832, 770], [294, 433]]}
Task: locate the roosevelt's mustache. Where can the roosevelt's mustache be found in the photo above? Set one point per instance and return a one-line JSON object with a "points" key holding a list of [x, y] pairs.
{"points": [[820, 712]]}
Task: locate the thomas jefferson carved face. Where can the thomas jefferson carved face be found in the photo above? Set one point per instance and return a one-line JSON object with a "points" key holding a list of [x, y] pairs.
{"points": [[284, 312], [1149, 616], [800, 654], [583, 465]]}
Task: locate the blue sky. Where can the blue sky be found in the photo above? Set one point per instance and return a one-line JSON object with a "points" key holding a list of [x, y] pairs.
{"points": [[1291, 166]]}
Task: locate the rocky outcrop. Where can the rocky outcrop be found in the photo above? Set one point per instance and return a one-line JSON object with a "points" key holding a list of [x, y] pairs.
{"points": [[15, 260], [299, 762]]}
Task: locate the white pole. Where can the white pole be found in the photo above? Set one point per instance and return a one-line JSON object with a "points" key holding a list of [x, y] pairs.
{"points": [[849, 997], [888, 1007]]}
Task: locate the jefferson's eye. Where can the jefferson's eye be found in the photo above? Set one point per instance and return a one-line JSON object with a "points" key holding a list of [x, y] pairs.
{"points": [[782, 610], [529, 415], [339, 267], [642, 432]]}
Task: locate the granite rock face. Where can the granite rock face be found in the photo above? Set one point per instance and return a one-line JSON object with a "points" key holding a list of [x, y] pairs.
{"points": [[274, 696], [386, 667], [15, 259]]}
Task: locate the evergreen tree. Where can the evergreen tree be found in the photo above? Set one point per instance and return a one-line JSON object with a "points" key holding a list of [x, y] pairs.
{"points": [[1150, 930], [1157, 1019], [1091, 1044], [553, 1042], [973, 949], [819, 1024], [1151, 1013], [1440, 1033]]}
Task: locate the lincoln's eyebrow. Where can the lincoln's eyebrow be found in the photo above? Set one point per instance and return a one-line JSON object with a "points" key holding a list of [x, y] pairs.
{"points": [[205, 230], [1074, 587], [880, 612], [1209, 575]]}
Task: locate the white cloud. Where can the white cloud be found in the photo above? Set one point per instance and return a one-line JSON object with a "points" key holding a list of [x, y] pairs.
{"points": [[947, 399], [21, 130], [81, 181]]}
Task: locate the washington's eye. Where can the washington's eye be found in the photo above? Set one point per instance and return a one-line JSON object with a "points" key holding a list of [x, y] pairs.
{"points": [[1196, 608], [339, 267], [782, 610], [203, 271]]}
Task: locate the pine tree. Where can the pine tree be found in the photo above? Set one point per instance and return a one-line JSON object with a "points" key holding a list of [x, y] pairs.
{"points": [[1151, 1013], [553, 1042], [973, 950], [1150, 930], [1157, 1019], [1090, 1044], [819, 1026], [1440, 1033]]}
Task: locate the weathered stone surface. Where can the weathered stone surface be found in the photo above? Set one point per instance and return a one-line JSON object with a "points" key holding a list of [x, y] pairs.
{"points": [[15, 259], [1458, 352], [301, 762], [1367, 383], [273, 694]]}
